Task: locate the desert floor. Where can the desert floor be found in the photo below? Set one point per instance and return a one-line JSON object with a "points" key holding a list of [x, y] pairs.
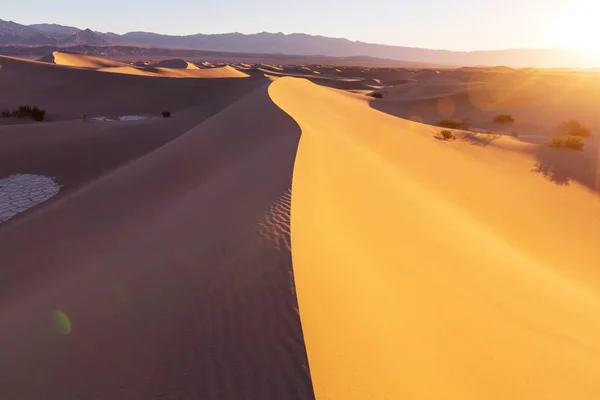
{"points": [[285, 235]]}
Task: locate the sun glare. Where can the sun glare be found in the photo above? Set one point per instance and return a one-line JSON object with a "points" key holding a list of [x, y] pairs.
{"points": [[577, 27]]}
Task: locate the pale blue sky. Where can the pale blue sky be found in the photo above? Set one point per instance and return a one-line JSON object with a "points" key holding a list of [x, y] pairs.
{"points": [[440, 24]]}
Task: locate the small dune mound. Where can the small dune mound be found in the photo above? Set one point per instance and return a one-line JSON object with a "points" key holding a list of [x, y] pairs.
{"points": [[79, 60], [175, 63], [272, 67], [219, 72]]}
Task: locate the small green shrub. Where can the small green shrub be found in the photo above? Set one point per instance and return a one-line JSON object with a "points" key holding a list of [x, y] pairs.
{"points": [[568, 142], [504, 119], [377, 95], [450, 123], [166, 114], [574, 128], [446, 134]]}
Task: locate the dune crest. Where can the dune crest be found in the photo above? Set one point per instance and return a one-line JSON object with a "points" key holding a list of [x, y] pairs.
{"points": [[79, 60], [433, 273]]}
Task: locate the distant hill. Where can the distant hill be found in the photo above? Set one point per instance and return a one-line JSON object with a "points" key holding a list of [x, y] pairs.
{"points": [[56, 31], [86, 37], [12, 33]]}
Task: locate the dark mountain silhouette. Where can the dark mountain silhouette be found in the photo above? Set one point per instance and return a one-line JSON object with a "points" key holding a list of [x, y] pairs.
{"points": [[12, 33]]}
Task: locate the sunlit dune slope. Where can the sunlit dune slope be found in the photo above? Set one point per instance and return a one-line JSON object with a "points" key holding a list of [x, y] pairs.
{"points": [[127, 70], [218, 72], [79, 60], [168, 72], [427, 269]]}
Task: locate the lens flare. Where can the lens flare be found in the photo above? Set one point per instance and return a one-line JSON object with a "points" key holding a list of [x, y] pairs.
{"points": [[446, 107], [62, 322]]}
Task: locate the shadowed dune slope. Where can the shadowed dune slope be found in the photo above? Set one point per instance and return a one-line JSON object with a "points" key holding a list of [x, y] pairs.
{"points": [[173, 271], [76, 152], [176, 63], [436, 270]]}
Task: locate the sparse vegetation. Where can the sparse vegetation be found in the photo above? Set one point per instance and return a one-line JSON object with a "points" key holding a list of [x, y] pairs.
{"points": [[573, 128], [35, 113], [377, 95], [446, 135], [514, 134], [450, 123], [166, 114], [504, 119], [38, 114], [568, 142]]}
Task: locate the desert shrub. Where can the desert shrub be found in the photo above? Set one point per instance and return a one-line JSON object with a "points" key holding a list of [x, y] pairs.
{"points": [[450, 123], [569, 142], [514, 134], [446, 134], [38, 114], [574, 128], [377, 95], [34, 112], [166, 114], [23, 111], [504, 119]]}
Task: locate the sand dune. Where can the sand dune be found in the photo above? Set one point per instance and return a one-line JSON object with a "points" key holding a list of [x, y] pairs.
{"points": [[538, 101], [272, 225], [176, 63], [79, 60], [139, 259], [176, 68], [217, 72], [439, 269], [64, 92]]}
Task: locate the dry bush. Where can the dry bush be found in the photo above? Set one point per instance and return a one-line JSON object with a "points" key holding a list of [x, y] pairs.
{"points": [[573, 128], [446, 135], [450, 123], [504, 119], [568, 142]]}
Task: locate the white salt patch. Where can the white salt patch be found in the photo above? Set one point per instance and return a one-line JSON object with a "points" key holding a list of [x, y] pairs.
{"points": [[121, 118], [132, 117], [23, 191]]}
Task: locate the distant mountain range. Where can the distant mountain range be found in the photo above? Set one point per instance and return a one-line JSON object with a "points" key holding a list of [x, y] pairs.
{"points": [[12, 33]]}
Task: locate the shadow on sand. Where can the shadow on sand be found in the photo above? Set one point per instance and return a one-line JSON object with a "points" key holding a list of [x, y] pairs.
{"points": [[561, 166], [477, 139]]}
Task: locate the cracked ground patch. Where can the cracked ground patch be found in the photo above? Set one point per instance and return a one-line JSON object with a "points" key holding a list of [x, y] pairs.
{"points": [[20, 192]]}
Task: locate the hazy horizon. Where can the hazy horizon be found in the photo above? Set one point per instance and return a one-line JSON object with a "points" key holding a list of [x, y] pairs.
{"points": [[467, 25]]}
